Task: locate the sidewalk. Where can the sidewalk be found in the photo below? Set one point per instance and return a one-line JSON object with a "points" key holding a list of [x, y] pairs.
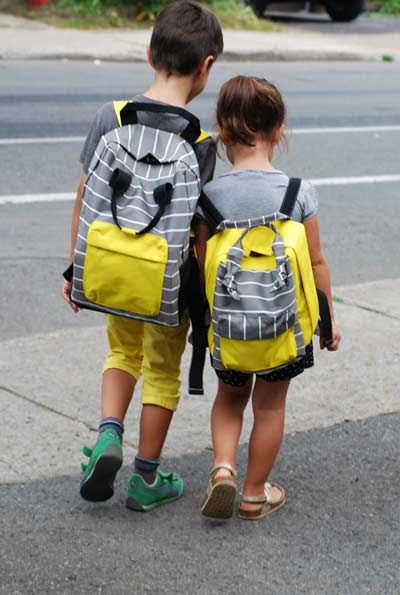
{"points": [[55, 378], [21, 39]]}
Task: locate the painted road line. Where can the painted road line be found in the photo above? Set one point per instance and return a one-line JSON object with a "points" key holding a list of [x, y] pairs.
{"points": [[39, 140], [81, 139], [26, 198], [355, 180], [383, 179], [344, 129]]}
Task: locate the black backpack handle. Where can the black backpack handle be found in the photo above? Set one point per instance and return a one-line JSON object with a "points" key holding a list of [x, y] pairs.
{"points": [[325, 323], [129, 115], [120, 182]]}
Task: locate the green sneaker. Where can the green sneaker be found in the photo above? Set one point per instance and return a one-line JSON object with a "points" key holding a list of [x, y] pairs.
{"points": [[97, 483], [143, 496]]}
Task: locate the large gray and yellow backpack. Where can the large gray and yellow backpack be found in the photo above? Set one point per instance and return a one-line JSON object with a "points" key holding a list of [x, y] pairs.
{"points": [[140, 195]]}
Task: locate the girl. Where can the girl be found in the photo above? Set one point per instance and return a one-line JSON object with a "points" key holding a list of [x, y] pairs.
{"points": [[251, 119]]}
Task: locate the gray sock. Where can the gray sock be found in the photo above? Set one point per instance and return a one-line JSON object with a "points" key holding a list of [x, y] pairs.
{"points": [[113, 423], [146, 468]]}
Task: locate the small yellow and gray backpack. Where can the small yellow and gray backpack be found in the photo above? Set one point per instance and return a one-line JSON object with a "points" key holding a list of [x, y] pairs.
{"points": [[261, 290], [141, 192]]}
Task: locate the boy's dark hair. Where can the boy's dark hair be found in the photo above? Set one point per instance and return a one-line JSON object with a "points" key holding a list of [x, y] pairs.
{"points": [[184, 34]]}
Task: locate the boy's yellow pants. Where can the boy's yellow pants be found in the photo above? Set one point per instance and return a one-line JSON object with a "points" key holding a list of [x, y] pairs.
{"points": [[151, 350]]}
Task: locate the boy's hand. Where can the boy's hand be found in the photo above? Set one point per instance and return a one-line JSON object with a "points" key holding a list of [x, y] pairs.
{"points": [[66, 293], [336, 338]]}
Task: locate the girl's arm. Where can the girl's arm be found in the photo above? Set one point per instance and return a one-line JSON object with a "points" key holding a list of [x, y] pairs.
{"points": [[321, 273], [66, 290]]}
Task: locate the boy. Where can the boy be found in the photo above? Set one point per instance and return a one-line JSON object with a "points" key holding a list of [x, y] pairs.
{"points": [[185, 42]]}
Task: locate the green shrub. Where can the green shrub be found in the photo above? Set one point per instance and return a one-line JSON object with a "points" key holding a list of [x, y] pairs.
{"points": [[232, 14], [141, 9], [95, 8], [158, 5], [388, 7]]}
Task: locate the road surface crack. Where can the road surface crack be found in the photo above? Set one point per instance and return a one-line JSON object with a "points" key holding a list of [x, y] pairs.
{"points": [[45, 407], [371, 309]]}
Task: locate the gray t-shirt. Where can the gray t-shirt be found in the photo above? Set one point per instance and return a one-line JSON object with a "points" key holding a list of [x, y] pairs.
{"points": [[251, 193], [106, 120]]}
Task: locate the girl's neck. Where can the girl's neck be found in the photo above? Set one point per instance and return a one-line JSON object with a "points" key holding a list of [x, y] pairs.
{"points": [[257, 157]]}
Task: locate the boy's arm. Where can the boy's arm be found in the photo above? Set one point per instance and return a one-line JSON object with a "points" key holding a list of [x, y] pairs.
{"points": [[104, 121], [321, 273], [67, 288], [75, 215], [206, 153]]}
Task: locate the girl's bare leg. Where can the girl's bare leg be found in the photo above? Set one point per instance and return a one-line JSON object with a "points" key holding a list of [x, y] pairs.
{"points": [[226, 422], [269, 400]]}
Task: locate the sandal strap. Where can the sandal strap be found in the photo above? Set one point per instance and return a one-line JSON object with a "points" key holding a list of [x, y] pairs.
{"points": [[226, 466], [254, 499], [267, 491], [267, 498]]}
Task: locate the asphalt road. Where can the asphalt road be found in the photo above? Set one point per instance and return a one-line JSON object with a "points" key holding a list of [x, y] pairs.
{"points": [[55, 99], [339, 533]]}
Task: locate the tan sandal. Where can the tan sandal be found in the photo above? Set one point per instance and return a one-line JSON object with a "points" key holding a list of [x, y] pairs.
{"points": [[267, 507], [219, 502]]}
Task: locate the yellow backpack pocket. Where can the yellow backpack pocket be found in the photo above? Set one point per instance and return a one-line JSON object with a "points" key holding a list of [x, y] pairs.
{"points": [[255, 354], [123, 270]]}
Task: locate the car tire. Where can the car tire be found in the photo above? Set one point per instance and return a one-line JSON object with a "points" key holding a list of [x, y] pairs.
{"points": [[258, 7], [344, 11]]}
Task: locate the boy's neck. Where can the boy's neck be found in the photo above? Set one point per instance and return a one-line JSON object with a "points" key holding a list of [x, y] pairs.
{"points": [[171, 89]]}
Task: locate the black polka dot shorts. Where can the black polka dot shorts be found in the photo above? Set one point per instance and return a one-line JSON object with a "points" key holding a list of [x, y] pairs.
{"points": [[238, 379]]}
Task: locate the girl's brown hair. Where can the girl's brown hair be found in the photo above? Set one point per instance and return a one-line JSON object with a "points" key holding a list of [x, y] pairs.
{"points": [[248, 107]]}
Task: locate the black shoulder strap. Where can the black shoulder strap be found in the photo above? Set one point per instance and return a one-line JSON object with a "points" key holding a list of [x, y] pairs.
{"points": [[289, 200], [210, 211], [192, 131]]}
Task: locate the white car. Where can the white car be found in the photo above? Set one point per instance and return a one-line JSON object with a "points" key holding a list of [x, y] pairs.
{"points": [[338, 10]]}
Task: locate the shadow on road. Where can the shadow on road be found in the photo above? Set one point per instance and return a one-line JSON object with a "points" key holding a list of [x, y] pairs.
{"points": [[339, 532]]}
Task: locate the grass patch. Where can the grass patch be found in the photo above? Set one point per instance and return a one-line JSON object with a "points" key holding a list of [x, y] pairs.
{"points": [[337, 300], [95, 14]]}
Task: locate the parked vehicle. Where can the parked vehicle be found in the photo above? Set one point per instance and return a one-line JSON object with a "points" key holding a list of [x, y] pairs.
{"points": [[338, 10]]}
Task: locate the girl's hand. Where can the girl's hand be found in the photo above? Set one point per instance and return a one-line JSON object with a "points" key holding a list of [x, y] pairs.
{"points": [[66, 293], [336, 338]]}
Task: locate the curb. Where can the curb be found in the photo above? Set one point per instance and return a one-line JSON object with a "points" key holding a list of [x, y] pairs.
{"points": [[75, 57], [294, 55], [272, 55]]}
